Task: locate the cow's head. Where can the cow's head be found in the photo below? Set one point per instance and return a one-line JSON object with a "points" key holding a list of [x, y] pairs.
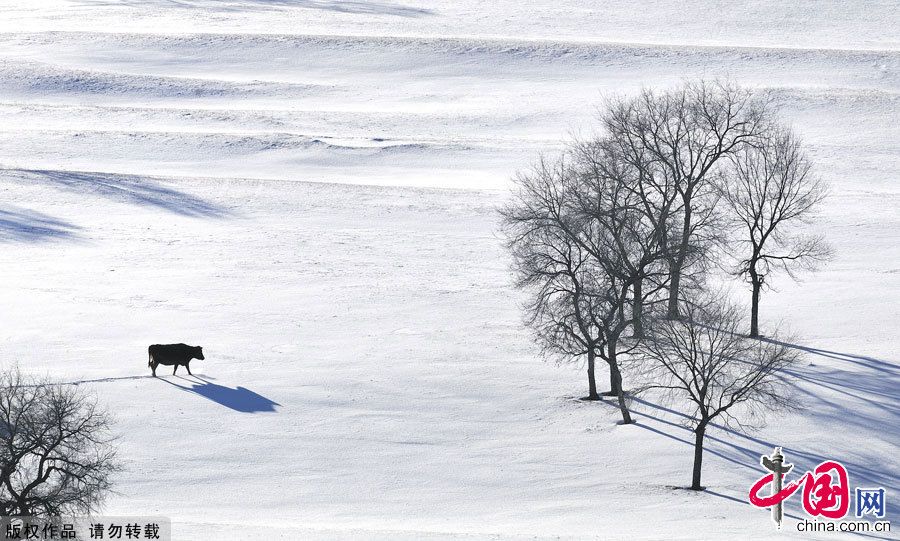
{"points": [[198, 353]]}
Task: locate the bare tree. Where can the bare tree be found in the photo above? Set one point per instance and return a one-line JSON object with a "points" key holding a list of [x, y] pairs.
{"points": [[56, 455], [551, 262], [677, 140], [723, 375], [626, 237], [565, 256], [771, 192]]}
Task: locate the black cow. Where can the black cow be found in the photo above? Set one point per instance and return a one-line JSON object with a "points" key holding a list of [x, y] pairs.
{"points": [[173, 354]]}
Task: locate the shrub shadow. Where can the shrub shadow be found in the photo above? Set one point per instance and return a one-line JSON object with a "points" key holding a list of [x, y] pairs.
{"points": [[134, 189], [23, 225]]}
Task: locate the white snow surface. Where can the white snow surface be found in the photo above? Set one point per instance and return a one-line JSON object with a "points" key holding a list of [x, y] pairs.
{"points": [[308, 189]]}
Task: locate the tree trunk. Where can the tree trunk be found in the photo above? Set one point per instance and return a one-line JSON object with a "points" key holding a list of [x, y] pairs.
{"points": [[615, 385], [674, 285], [699, 433], [592, 382], [617, 378], [754, 306], [637, 311], [676, 263]]}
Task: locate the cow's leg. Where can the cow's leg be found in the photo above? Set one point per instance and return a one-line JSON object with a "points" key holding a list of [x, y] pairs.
{"points": [[153, 368], [176, 370], [188, 366]]}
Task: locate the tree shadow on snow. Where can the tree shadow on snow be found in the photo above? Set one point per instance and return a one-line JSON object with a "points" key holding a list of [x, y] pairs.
{"points": [[134, 189], [876, 386], [341, 6], [748, 453], [871, 385], [861, 360], [238, 399], [23, 225], [872, 391], [748, 456]]}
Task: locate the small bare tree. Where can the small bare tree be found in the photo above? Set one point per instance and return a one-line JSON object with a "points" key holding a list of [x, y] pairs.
{"points": [[702, 358], [770, 192], [56, 454]]}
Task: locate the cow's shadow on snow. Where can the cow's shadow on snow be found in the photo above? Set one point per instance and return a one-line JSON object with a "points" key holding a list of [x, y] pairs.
{"points": [[238, 399]]}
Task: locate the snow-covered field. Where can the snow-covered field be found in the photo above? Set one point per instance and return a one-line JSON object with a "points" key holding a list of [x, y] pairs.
{"points": [[307, 189]]}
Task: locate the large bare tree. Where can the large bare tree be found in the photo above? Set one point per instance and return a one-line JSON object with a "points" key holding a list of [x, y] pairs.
{"points": [[564, 248], [56, 453], [677, 140], [771, 193], [552, 264], [703, 361], [626, 236]]}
